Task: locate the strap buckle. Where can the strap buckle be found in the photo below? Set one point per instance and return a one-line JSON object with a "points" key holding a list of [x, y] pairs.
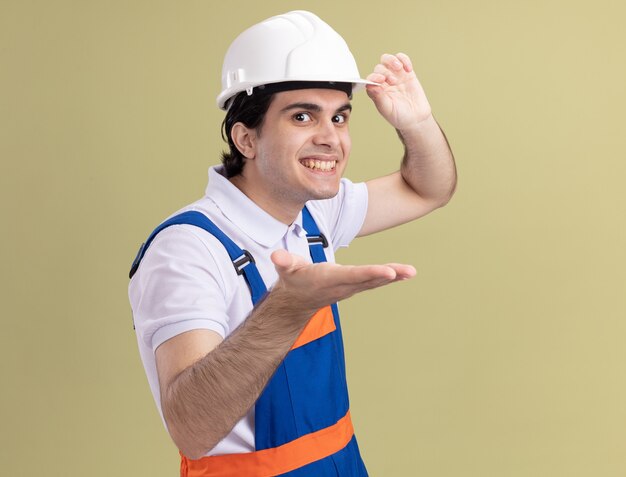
{"points": [[135, 265], [242, 262], [321, 239]]}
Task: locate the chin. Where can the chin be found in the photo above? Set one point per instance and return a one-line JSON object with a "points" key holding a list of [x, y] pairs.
{"points": [[322, 195]]}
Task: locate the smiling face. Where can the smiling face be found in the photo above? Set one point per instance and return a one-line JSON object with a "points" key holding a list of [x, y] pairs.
{"points": [[298, 154]]}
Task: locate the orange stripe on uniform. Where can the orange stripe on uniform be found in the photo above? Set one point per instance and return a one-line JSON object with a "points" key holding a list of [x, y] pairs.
{"points": [[320, 324], [277, 460]]}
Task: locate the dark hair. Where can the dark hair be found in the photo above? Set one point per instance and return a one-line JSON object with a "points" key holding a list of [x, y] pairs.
{"points": [[249, 110]]}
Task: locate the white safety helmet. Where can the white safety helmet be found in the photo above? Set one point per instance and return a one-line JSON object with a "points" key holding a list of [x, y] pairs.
{"points": [[295, 46]]}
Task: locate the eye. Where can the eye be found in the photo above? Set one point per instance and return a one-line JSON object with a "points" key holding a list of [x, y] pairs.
{"points": [[302, 117], [340, 118]]}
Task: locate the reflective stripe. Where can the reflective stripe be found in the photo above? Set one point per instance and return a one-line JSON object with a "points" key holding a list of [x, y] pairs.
{"points": [[276, 460], [320, 324]]}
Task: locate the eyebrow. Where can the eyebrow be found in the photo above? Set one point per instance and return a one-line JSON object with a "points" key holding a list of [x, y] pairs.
{"points": [[314, 107]]}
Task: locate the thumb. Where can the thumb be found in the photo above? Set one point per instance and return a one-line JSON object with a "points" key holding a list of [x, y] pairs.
{"points": [[374, 90], [282, 260], [286, 262]]}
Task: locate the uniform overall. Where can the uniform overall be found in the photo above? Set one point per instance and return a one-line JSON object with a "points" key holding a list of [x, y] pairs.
{"points": [[302, 418]]}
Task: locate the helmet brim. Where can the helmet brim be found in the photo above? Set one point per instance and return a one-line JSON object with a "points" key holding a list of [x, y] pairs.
{"points": [[223, 98]]}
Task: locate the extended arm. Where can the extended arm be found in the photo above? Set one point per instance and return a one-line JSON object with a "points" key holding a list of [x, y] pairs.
{"points": [[208, 385], [427, 177]]}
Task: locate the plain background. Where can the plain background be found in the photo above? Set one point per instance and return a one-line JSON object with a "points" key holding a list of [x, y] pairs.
{"points": [[505, 355]]}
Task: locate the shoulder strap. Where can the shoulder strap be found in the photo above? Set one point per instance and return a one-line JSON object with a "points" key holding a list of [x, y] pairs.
{"points": [[317, 240], [242, 260]]}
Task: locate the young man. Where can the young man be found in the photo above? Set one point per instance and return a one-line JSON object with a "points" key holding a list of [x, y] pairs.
{"points": [[251, 382]]}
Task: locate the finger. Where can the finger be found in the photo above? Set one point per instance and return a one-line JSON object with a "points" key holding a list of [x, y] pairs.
{"points": [[346, 291], [373, 91], [386, 77], [334, 275], [403, 271], [406, 62], [286, 262], [281, 259], [390, 75], [365, 273], [375, 78], [391, 62], [375, 276], [370, 285], [382, 70]]}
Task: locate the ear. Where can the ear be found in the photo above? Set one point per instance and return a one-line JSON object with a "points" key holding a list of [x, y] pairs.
{"points": [[245, 140]]}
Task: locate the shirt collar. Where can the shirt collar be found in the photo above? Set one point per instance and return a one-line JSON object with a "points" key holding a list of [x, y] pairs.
{"points": [[251, 219]]}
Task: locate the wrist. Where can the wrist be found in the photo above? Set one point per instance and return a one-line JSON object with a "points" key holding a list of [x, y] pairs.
{"points": [[288, 307], [416, 128]]}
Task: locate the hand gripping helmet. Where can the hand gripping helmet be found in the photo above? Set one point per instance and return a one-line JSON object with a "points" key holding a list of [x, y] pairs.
{"points": [[296, 46]]}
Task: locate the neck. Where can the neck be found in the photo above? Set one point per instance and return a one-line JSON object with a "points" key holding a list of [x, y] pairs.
{"points": [[281, 210]]}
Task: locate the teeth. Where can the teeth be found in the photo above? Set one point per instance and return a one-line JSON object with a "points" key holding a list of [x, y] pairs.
{"points": [[319, 165]]}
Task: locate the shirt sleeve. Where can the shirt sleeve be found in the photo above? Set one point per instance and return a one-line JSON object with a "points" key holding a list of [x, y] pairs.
{"points": [[342, 216], [178, 287]]}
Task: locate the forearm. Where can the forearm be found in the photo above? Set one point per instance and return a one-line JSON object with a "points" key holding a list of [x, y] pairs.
{"points": [[203, 403], [428, 164]]}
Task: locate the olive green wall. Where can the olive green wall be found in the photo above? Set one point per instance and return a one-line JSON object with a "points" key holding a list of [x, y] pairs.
{"points": [[504, 357]]}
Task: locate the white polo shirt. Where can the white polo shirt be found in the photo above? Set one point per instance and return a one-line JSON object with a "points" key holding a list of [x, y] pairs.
{"points": [[186, 280]]}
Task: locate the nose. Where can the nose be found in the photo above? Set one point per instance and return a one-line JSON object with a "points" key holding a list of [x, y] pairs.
{"points": [[326, 134]]}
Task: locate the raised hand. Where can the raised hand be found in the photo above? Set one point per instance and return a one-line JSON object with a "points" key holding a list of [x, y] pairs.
{"points": [[399, 96]]}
